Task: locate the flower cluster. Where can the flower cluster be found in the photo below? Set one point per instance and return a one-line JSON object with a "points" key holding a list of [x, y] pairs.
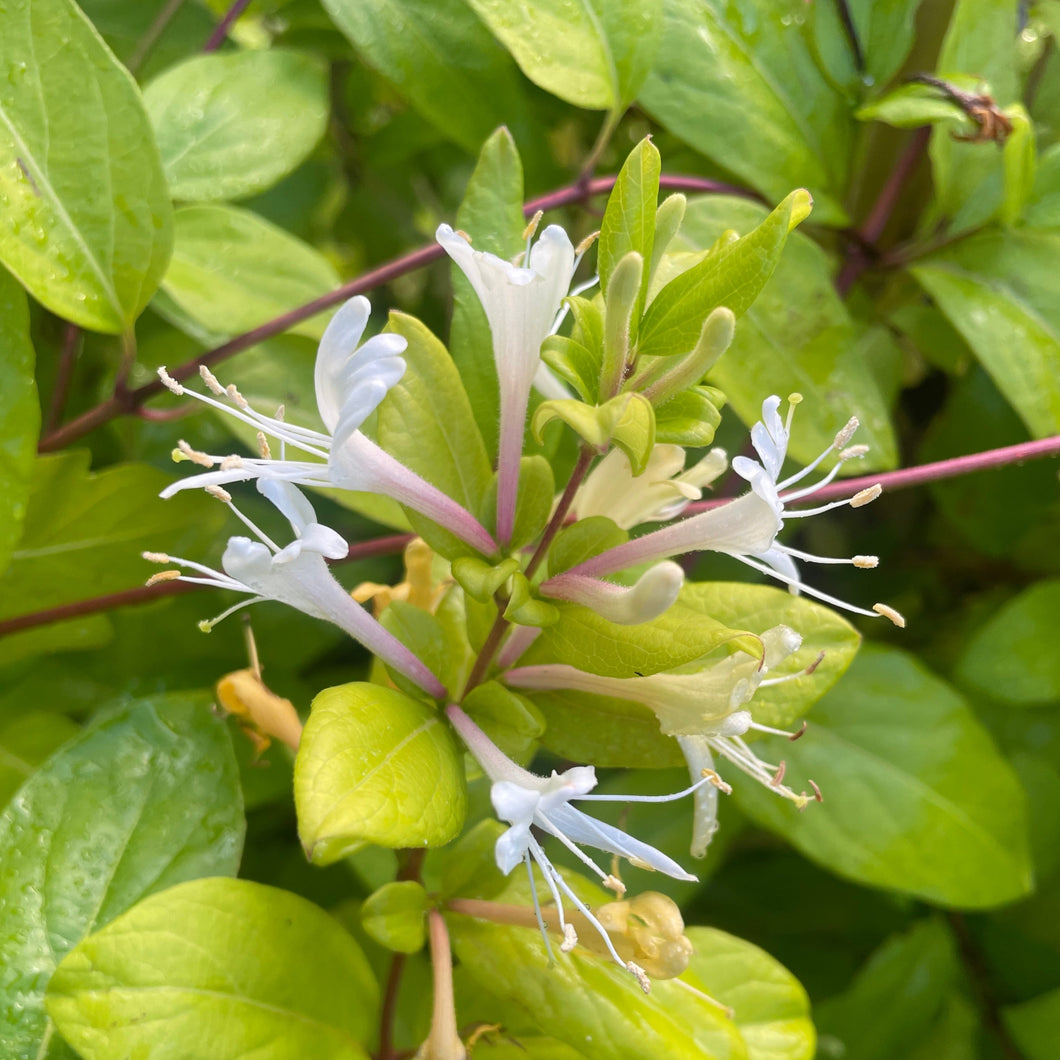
{"points": [[706, 706]]}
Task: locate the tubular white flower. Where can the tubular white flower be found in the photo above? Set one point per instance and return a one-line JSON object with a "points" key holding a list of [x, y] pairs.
{"points": [[524, 799], [298, 576], [705, 700], [661, 493], [747, 527], [521, 304], [703, 709], [350, 382], [655, 591]]}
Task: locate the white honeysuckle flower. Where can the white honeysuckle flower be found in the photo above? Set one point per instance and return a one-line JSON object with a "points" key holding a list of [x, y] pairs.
{"points": [[702, 709], [747, 527], [521, 302], [350, 382], [661, 493], [526, 800], [705, 700], [296, 575], [627, 605]]}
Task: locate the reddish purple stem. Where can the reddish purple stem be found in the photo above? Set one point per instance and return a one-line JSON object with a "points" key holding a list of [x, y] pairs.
{"points": [[916, 476], [217, 38]]}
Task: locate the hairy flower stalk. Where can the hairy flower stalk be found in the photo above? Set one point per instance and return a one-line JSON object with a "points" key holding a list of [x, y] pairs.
{"points": [[296, 575], [524, 799], [350, 382], [704, 709], [746, 528], [521, 304]]}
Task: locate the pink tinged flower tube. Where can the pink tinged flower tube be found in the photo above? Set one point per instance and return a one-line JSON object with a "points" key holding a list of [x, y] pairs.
{"points": [[524, 799], [747, 527], [521, 304], [350, 382], [297, 575], [654, 592]]}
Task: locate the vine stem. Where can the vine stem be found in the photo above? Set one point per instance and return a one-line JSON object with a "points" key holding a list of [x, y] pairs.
{"points": [[500, 623], [217, 38], [153, 32], [409, 869], [863, 248], [934, 472], [63, 376], [982, 988], [124, 403]]}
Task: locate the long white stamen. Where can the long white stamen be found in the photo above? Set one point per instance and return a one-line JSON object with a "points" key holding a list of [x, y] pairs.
{"points": [[587, 913], [802, 586], [312, 442], [646, 798], [247, 522], [207, 624], [537, 905], [809, 557]]}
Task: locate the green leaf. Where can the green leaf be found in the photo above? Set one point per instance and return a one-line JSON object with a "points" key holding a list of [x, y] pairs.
{"points": [[524, 609], [604, 730], [1013, 656], [769, 1005], [533, 505], [885, 32], [1020, 160], [739, 84], [760, 607], [395, 916], [492, 213], [892, 748], [1001, 291], [690, 418], [981, 42], [88, 222], [910, 974], [425, 420], [429, 641], [219, 968], [230, 125], [582, 540], [232, 271], [584, 639], [579, 998], [626, 420], [480, 580], [912, 105], [19, 413], [375, 766], [591, 53], [510, 720], [26, 740], [798, 337], [83, 533], [629, 219], [574, 364], [732, 276], [440, 58], [1035, 1025], [1043, 208], [78, 849]]}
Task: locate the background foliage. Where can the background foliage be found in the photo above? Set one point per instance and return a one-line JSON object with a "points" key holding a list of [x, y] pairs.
{"points": [[159, 199]]}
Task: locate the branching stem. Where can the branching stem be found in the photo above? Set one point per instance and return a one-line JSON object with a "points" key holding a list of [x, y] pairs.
{"points": [[126, 403]]}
